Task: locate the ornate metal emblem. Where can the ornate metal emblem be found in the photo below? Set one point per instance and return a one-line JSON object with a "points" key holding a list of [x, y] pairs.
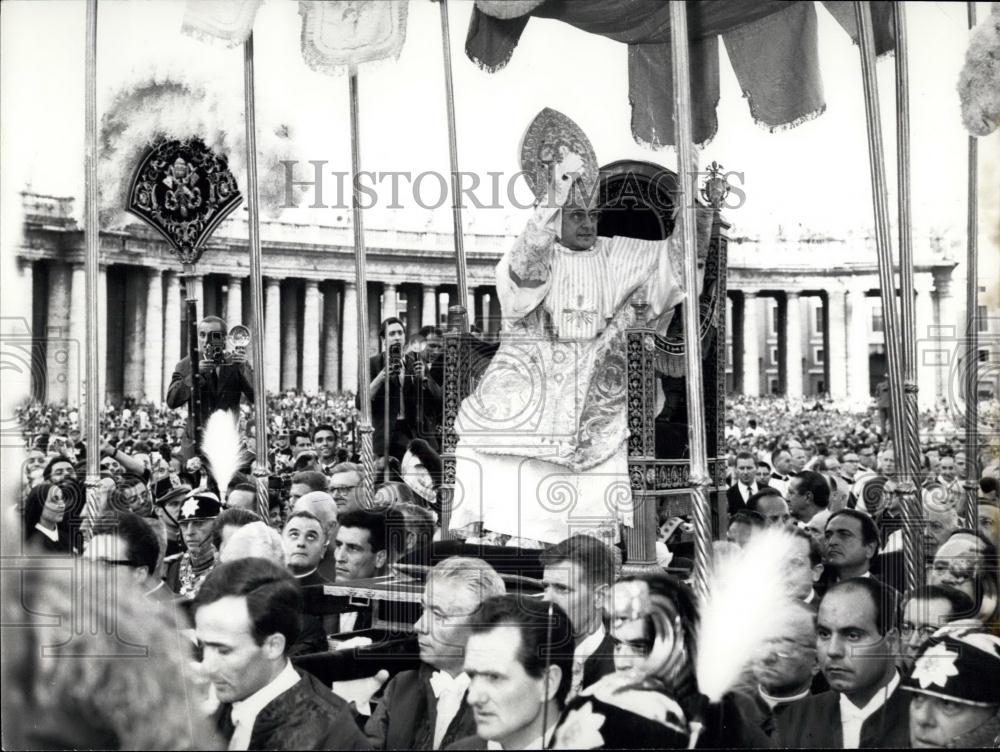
{"points": [[549, 137], [183, 190], [715, 188]]}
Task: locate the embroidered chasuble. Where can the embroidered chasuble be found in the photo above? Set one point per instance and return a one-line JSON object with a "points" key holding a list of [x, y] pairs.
{"points": [[541, 448]]}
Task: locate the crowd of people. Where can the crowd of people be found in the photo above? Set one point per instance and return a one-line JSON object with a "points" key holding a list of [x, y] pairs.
{"points": [[601, 660]]}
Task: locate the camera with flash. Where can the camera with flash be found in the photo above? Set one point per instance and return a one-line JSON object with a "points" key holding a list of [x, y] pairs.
{"points": [[216, 345]]}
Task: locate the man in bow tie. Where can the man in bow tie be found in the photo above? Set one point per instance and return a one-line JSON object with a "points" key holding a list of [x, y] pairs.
{"points": [[428, 708]]}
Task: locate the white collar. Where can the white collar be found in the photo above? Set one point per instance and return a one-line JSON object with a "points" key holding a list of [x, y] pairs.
{"points": [[444, 683], [246, 710], [300, 576], [811, 597], [536, 743], [589, 644], [849, 710], [52, 535], [773, 700]]}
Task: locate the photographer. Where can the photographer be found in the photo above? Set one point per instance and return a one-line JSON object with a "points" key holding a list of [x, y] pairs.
{"points": [[413, 392], [223, 376]]}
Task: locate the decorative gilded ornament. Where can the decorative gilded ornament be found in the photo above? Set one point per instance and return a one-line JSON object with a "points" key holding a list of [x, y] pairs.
{"points": [[183, 190]]}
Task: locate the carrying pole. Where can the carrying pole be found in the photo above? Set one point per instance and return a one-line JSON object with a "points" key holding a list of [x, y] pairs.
{"points": [[908, 446], [364, 393], [700, 479], [456, 187], [91, 233], [972, 319], [887, 284], [260, 466]]}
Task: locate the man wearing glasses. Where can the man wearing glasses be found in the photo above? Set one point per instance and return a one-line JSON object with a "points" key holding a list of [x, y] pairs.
{"points": [[927, 609], [856, 643], [126, 541]]}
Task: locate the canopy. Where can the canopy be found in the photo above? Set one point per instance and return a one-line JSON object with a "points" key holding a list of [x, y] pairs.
{"points": [[772, 45]]}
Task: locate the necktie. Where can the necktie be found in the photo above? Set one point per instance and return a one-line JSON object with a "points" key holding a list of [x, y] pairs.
{"points": [[449, 691], [224, 724]]}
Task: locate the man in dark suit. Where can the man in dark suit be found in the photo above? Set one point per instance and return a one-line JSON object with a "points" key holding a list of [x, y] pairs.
{"points": [[857, 641], [519, 673], [247, 616], [428, 708], [413, 393], [128, 542], [222, 384], [578, 574], [746, 484]]}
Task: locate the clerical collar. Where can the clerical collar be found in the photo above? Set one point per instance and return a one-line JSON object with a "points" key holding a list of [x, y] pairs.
{"points": [[773, 700], [300, 576]]}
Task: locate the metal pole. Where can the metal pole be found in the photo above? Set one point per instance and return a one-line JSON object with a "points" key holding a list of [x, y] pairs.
{"points": [[908, 465], [91, 234], [456, 195], [260, 466], [883, 244], [972, 326], [700, 479], [364, 398]]}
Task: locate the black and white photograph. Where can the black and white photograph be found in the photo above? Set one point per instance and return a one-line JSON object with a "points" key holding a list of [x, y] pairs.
{"points": [[499, 374]]}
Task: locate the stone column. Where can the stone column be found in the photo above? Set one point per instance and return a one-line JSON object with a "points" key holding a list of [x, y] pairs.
{"points": [[102, 331], [290, 336], [836, 343], [947, 328], [495, 312], [272, 335], [428, 314], [331, 340], [310, 338], [858, 386], [234, 302], [153, 377], [349, 336], [173, 316], [389, 305], [793, 345], [926, 365], [76, 364], [414, 312], [751, 343], [57, 345], [135, 333], [196, 289]]}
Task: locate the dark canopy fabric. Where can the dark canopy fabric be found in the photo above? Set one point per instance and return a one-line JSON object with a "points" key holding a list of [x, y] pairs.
{"points": [[772, 46]]}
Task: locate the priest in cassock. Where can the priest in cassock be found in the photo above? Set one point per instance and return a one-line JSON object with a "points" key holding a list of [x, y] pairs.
{"points": [[541, 449]]}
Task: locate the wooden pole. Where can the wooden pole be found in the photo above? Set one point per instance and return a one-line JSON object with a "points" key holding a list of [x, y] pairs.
{"points": [[700, 480], [260, 466], [887, 284], [364, 396], [91, 234], [456, 187], [972, 327], [908, 464]]}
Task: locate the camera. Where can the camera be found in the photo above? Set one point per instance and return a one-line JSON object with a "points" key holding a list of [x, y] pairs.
{"points": [[395, 359], [215, 348]]}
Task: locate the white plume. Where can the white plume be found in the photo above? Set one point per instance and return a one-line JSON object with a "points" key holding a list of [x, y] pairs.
{"points": [[220, 443], [749, 602]]}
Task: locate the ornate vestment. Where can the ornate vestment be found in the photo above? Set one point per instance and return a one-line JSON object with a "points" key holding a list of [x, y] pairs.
{"points": [[542, 438]]}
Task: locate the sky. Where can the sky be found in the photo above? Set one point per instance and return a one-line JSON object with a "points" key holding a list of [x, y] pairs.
{"points": [[812, 178]]}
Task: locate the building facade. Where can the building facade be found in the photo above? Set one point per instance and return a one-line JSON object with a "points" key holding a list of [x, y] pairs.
{"points": [[803, 318]]}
